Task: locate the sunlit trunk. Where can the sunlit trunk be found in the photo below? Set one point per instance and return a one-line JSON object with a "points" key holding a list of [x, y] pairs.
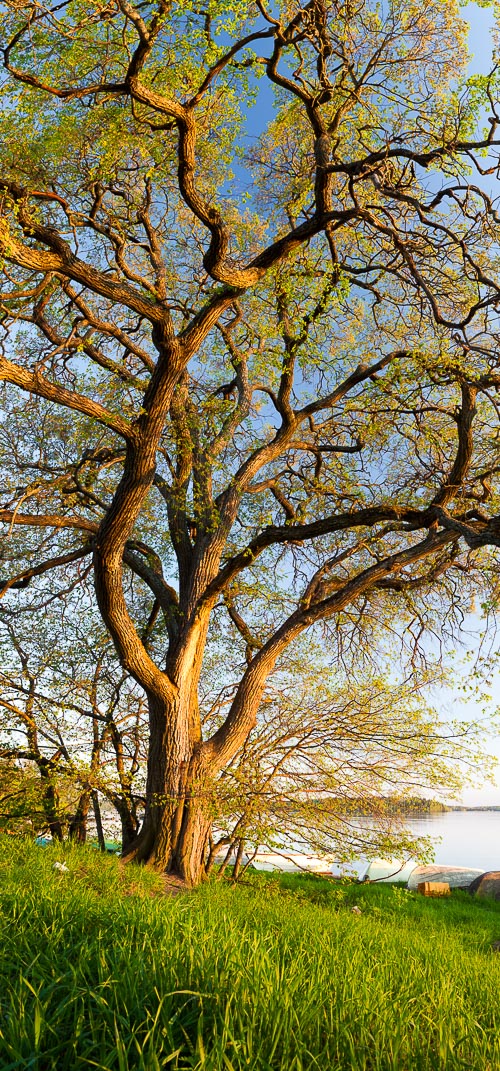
{"points": [[168, 761], [192, 843], [177, 820]]}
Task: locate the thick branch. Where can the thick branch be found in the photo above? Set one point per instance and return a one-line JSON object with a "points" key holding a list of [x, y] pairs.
{"points": [[463, 458], [36, 383], [61, 259], [298, 533], [21, 580], [47, 520]]}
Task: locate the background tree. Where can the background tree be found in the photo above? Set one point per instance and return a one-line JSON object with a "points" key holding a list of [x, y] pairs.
{"points": [[245, 374], [68, 714], [21, 803]]}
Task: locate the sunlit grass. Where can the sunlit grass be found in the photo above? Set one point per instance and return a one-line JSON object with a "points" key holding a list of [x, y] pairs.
{"points": [[98, 969]]}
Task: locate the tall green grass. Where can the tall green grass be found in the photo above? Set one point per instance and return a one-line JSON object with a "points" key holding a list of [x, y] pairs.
{"points": [[98, 969]]}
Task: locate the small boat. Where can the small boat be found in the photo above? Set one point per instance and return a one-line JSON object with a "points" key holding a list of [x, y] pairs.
{"points": [[388, 870], [292, 862], [457, 877]]}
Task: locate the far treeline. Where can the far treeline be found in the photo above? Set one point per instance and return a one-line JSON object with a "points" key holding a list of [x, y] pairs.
{"points": [[249, 371], [408, 805]]}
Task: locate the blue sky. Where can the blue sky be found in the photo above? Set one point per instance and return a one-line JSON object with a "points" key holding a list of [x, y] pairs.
{"points": [[481, 22]]}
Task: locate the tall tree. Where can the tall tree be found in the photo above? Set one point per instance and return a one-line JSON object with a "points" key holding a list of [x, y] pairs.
{"points": [[249, 368]]}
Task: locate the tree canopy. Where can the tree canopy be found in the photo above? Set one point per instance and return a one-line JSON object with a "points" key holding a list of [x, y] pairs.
{"points": [[249, 338]]}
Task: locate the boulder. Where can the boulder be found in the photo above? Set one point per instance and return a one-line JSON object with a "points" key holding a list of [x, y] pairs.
{"points": [[487, 884]]}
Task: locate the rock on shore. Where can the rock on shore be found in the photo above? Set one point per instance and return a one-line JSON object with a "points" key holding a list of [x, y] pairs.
{"points": [[487, 884]]}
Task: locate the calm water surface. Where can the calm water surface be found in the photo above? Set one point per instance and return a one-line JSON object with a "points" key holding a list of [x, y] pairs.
{"points": [[463, 838]]}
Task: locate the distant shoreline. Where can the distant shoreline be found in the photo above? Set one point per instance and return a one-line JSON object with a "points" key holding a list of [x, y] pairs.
{"points": [[408, 808], [491, 808]]}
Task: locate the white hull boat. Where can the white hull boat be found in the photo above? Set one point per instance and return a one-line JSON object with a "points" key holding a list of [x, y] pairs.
{"points": [[292, 862], [388, 870], [457, 877]]}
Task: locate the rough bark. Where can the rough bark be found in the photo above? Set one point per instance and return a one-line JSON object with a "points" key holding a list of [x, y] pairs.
{"points": [[128, 818], [50, 801], [177, 822], [77, 830]]}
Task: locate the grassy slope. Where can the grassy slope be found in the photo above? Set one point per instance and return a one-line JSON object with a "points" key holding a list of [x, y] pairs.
{"points": [[99, 969]]}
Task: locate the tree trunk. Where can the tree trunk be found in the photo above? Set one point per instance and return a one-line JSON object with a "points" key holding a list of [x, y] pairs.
{"points": [[50, 801], [190, 852], [238, 860], [98, 820], [176, 824], [182, 769], [77, 831], [126, 809], [129, 830]]}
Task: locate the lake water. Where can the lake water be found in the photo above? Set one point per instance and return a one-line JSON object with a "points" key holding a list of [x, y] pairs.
{"points": [[462, 838]]}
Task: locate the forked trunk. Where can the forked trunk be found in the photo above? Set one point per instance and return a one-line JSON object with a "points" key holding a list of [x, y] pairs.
{"points": [[182, 771]]}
